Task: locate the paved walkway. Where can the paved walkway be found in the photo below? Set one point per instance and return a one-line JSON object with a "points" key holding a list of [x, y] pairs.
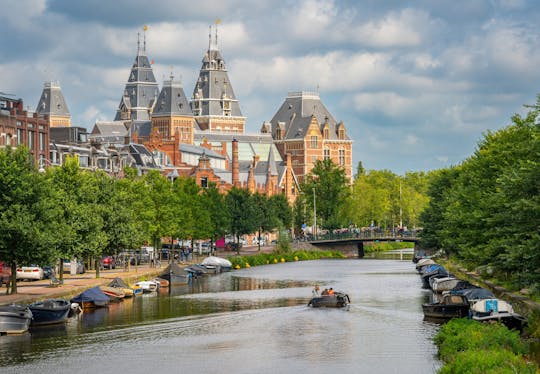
{"points": [[29, 291]]}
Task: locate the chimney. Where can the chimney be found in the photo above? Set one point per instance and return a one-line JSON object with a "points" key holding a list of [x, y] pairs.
{"points": [[235, 180]]}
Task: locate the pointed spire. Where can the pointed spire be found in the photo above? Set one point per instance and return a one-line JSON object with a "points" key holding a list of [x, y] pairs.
{"points": [[145, 27], [138, 44]]}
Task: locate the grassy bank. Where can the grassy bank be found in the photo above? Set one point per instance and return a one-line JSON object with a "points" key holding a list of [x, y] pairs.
{"points": [[281, 256], [466, 346], [371, 247]]}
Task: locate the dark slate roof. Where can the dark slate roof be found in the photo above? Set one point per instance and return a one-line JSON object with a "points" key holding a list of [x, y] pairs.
{"points": [[142, 156], [141, 128], [109, 128], [141, 89], [213, 85], [188, 148], [52, 101], [172, 101], [296, 113]]}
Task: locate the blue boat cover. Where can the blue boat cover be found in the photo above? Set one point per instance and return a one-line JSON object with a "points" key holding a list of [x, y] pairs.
{"points": [[92, 294]]}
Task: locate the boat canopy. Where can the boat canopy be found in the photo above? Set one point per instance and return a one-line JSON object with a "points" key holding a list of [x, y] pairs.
{"points": [[118, 283], [92, 294]]}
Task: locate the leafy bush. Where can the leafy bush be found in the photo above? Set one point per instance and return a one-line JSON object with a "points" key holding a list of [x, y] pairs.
{"points": [[386, 246], [276, 256], [493, 361], [467, 346]]}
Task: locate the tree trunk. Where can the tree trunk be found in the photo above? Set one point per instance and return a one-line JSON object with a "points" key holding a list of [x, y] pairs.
{"points": [[13, 279], [97, 263]]}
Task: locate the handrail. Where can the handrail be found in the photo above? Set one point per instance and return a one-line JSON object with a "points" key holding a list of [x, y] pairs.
{"points": [[368, 234]]}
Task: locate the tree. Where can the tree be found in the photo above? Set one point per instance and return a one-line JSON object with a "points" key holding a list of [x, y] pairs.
{"points": [[242, 212], [27, 203], [214, 202], [327, 187]]}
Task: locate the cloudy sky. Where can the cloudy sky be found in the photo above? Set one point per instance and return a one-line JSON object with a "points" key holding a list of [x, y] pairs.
{"points": [[416, 83]]}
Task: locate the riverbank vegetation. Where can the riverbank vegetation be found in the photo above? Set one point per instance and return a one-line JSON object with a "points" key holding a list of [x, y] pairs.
{"points": [[466, 346], [370, 247], [485, 212], [69, 212], [278, 256]]}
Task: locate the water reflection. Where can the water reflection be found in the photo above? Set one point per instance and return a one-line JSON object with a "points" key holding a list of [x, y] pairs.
{"points": [[253, 321]]}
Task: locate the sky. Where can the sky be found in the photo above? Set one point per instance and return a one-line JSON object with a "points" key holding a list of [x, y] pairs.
{"points": [[416, 83]]}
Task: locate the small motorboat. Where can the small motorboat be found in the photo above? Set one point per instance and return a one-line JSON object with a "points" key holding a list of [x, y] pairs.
{"points": [[50, 311], [450, 306], [444, 284], [163, 283], [146, 286], [120, 284], [197, 270], [115, 293], [489, 310], [473, 294], [337, 300], [175, 274], [14, 319], [217, 263], [91, 298], [431, 270], [424, 262]]}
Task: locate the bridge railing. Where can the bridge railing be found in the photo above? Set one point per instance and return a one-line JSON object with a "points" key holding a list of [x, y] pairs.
{"points": [[367, 234]]}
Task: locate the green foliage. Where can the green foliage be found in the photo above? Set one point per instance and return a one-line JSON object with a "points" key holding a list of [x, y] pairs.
{"points": [[486, 210], [386, 199], [467, 346], [277, 256], [386, 246], [327, 187]]}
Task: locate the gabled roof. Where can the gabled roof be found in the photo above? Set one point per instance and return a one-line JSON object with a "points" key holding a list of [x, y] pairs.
{"points": [[172, 101], [52, 101], [296, 113]]}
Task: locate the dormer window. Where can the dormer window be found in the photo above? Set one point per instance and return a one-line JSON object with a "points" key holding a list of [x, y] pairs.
{"points": [[278, 134], [326, 133]]}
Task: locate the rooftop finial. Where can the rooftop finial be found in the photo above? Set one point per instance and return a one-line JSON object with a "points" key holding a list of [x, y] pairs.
{"points": [[209, 37], [138, 43], [145, 27], [218, 21], [172, 74]]}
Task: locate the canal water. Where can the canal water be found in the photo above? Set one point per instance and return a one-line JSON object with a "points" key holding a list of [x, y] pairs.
{"points": [[248, 321]]}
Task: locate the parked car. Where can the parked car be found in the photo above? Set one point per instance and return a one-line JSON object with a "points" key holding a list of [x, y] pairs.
{"points": [[108, 262], [80, 267], [48, 272], [31, 272], [5, 273]]}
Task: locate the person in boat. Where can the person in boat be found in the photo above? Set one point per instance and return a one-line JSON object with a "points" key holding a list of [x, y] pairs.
{"points": [[331, 292], [324, 292], [315, 291]]}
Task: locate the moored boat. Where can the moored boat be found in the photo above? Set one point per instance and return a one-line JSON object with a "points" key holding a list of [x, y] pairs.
{"points": [[50, 311], [444, 284], [163, 283], [489, 310], [114, 293], [337, 300], [175, 274], [91, 298], [120, 284], [218, 263], [146, 286], [450, 306], [14, 319]]}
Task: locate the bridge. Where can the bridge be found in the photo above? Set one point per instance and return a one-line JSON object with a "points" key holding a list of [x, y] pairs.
{"points": [[352, 242]]}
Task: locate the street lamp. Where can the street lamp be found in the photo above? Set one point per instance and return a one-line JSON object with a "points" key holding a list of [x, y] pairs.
{"points": [[314, 215], [42, 162]]}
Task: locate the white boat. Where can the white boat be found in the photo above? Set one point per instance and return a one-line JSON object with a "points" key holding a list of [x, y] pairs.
{"points": [[487, 310], [146, 286], [220, 263], [444, 284], [14, 319]]}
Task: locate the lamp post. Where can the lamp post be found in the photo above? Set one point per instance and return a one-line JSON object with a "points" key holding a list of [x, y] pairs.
{"points": [[42, 162], [314, 214]]}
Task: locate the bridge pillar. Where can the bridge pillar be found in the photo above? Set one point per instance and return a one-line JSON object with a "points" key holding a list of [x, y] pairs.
{"points": [[360, 246]]}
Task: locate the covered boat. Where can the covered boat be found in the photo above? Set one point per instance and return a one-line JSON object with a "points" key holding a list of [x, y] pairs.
{"points": [[450, 306], [431, 270], [175, 274], [14, 319], [487, 310], [474, 294], [163, 283], [120, 284], [91, 298], [424, 262], [337, 300], [218, 263], [114, 293], [444, 284], [50, 311]]}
